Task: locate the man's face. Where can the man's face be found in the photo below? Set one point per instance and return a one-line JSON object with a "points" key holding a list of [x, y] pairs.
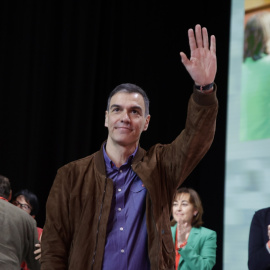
{"points": [[126, 119]]}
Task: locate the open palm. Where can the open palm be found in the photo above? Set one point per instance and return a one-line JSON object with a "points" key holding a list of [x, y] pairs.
{"points": [[202, 65]]}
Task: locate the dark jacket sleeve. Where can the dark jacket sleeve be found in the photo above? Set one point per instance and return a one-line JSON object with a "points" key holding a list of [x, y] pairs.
{"points": [[178, 159], [32, 239], [258, 255], [198, 135]]}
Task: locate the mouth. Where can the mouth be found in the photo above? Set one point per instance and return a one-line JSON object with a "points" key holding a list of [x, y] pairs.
{"points": [[124, 128]]}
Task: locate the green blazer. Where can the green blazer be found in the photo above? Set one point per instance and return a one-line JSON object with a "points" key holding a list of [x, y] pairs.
{"points": [[200, 250]]}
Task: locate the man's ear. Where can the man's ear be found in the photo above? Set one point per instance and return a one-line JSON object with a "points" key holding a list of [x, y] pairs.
{"points": [[147, 122], [10, 196], [106, 119]]}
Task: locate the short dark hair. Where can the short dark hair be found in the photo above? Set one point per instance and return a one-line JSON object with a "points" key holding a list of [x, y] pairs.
{"points": [[196, 201], [4, 187], [130, 88], [31, 198]]}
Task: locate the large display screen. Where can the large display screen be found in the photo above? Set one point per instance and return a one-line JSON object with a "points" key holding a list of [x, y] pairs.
{"points": [[247, 179]]}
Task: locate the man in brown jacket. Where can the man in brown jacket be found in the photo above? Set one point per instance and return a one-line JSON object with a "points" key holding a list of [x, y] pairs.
{"points": [[111, 210]]}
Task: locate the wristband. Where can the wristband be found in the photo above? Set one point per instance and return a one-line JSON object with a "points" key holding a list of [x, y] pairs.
{"points": [[204, 87]]}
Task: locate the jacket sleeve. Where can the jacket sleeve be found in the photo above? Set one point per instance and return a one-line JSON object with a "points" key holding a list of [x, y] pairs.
{"points": [[203, 259], [258, 255], [178, 159], [56, 237]]}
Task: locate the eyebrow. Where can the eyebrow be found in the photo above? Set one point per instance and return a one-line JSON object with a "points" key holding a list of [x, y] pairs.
{"points": [[132, 107], [114, 105]]}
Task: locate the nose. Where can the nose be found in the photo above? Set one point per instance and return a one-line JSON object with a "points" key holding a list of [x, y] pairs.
{"points": [[125, 117]]}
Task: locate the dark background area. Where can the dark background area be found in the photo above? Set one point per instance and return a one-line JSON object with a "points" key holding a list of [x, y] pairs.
{"points": [[60, 59]]}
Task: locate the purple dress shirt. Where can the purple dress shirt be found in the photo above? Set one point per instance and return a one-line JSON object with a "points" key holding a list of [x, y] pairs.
{"points": [[126, 240]]}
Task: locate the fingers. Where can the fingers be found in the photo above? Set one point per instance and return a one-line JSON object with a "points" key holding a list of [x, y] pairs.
{"points": [[199, 39], [201, 65], [38, 257], [184, 58], [213, 44], [205, 38], [182, 225], [191, 40], [37, 251]]}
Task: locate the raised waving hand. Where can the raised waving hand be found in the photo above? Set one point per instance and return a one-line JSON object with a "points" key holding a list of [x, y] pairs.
{"points": [[202, 65]]}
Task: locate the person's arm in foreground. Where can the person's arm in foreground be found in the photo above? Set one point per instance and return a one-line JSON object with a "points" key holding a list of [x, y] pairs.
{"points": [[258, 255]]}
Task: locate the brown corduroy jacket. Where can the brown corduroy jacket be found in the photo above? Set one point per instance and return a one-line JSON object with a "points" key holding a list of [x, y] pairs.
{"points": [[79, 202]]}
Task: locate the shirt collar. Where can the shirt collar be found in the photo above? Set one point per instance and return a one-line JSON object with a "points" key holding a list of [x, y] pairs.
{"points": [[109, 163]]}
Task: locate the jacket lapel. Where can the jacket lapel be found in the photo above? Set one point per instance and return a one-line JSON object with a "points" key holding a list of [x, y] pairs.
{"points": [[194, 236], [193, 239], [173, 229]]}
